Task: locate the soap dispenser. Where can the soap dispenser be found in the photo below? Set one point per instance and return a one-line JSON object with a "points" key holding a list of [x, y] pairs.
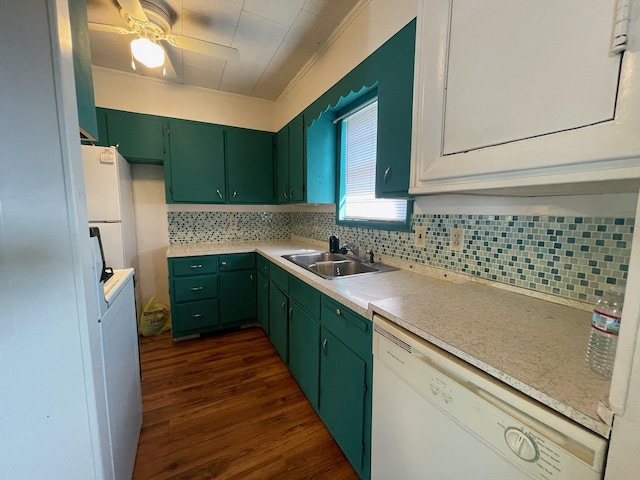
{"points": [[334, 244]]}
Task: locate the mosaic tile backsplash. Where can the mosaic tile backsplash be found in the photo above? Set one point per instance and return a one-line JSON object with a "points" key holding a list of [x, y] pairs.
{"points": [[572, 257], [191, 227]]}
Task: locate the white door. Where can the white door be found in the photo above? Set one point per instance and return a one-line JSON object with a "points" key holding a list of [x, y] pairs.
{"points": [[519, 69], [522, 93]]}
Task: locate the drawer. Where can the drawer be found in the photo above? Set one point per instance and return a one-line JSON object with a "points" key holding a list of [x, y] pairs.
{"points": [[305, 295], [263, 265], [354, 330], [200, 287], [194, 265], [280, 277], [194, 316], [237, 261]]}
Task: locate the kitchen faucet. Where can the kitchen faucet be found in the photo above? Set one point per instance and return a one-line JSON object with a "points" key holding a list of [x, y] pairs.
{"points": [[350, 248]]}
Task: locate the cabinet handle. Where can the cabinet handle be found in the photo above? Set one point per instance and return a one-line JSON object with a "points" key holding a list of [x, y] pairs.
{"points": [[291, 193], [266, 287], [283, 307], [196, 289], [197, 315], [195, 266], [235, 193], [324, 346], [251, 278], [223, 264], [219, 193], [285, 194], [387, 173], [338, 312]]}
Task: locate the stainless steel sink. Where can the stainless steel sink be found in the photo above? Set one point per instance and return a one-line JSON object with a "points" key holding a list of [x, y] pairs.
{"points": [[335, 265]]}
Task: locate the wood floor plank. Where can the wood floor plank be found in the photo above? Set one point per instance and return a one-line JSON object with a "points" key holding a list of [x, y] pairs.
{"points": [[226, 407]]}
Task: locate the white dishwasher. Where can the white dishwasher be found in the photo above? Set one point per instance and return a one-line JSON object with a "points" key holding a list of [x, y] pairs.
{"points": [[436, 417]]}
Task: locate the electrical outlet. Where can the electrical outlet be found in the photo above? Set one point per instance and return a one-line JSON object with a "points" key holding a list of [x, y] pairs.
{"points": [[457, 239], [233, 223], [419, 237], [315, 223]]}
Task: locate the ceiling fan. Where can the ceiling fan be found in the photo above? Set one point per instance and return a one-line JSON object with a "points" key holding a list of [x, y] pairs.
{"points": [[150, 24]]}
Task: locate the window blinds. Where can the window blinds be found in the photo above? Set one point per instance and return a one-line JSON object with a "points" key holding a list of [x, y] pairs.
{"points": [[360, 130]]}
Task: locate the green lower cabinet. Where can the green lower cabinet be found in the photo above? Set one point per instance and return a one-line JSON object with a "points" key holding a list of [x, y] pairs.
{"points": [[279, 321], [237, 296], [195, 317], [304, 351], [343, 390], [263, 301]]}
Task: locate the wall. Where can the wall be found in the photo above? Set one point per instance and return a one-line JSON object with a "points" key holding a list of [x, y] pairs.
{"points": [[128, 91], [376, 23]]}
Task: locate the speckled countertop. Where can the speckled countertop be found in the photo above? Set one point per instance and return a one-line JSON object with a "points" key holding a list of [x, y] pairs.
{"points": [[533, 345]]}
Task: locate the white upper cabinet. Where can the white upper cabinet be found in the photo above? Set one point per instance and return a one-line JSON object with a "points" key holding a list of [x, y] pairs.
{"points": [[526, 96]]}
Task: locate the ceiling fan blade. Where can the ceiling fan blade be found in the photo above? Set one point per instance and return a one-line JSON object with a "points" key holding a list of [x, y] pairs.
{"points": [[169, 71], [134, 9], [200, 46], [102, 27]]}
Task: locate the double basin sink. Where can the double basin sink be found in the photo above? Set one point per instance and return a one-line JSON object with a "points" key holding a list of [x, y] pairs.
{"points": [[335, 265]]}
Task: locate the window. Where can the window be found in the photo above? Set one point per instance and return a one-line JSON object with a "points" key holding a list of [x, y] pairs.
{"points": [[357, 203]]}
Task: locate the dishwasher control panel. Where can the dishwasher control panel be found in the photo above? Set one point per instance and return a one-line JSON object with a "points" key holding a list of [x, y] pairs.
{"points": [[544, 451]]}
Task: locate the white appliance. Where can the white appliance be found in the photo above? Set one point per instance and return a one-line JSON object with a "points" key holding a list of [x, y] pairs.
{"points": [[434, 416], [119, 340], [110, 204]]}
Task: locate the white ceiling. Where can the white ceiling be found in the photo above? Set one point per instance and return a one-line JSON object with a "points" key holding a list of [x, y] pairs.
{"points": [[276, 39]]}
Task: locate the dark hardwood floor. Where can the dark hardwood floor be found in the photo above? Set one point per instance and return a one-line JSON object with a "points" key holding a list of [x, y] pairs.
{"points": [[226, 406]]}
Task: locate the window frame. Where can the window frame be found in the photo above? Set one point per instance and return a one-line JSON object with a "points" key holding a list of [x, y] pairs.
{"points": [[402, 226]]}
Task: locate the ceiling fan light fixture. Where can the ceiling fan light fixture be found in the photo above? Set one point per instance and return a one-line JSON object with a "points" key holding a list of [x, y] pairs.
{"points": [[147, 52]]}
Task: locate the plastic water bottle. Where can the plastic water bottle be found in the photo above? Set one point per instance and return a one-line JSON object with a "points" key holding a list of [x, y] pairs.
{"points": [[605, 325]]}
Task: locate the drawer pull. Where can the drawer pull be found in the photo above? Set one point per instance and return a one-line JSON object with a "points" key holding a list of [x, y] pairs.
{"points": [[338, 312], [197, 289], [219, 193], [224, 264], [196, 266], [197, 315]]}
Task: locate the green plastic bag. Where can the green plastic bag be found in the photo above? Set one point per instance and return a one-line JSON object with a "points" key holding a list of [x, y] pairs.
{"points": [[154, 319]]}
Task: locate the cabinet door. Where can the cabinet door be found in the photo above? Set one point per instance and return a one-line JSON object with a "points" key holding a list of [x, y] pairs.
{"points": [[263, 302], [82, 69], [304, 351], [138, 136], [343, 389], [395, 61], [195, 168], [237, 296], [296, 160], [282, 165], [278, 321], [538, 100], [250, 165]]}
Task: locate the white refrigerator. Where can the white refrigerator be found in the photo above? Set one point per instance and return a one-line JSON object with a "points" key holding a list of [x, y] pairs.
{"points": [[110, 204]]}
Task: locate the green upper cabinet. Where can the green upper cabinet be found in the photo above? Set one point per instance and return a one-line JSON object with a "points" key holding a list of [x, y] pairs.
{"points": [[195, 171], [282, 166], [139, 137], [82, 69], [395, 62], [250, 166], [290, 160]]}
